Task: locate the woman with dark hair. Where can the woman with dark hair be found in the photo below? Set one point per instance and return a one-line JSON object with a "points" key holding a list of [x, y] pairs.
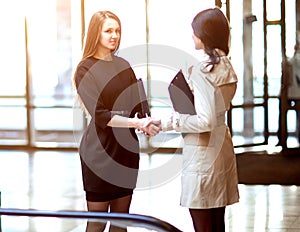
{"points": [[109, 149], [209, 175]]}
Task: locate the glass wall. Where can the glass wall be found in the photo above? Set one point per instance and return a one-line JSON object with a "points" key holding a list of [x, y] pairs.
{"points": [[41, 46], [13, 75], [37, 58], [256, 104]]}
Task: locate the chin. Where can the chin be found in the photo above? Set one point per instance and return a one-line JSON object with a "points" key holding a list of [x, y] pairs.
{"points": [[113, 48]]}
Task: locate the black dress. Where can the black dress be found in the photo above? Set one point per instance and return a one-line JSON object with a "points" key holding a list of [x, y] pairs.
{"points": [[109, 155]]}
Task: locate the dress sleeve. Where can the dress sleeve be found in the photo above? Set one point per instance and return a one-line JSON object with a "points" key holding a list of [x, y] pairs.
{"points": [[204, 98], [86, 90], [132, 104], [90, 97], [103, 115]]}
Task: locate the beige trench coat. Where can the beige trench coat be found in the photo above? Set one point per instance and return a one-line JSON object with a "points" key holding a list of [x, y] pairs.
{"points": [[209, 174]]}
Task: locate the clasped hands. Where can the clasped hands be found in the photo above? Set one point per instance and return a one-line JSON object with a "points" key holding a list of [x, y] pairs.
{"points": [[149, 126]]}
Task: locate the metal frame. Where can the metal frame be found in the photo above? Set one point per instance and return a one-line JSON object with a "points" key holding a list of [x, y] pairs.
{"points": [[118, 219]]}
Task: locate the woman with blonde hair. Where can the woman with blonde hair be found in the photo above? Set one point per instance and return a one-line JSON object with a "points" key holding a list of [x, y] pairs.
{"points": [[109, 148]]}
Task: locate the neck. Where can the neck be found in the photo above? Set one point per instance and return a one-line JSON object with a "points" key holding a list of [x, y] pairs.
{"points": [[103, 56]]}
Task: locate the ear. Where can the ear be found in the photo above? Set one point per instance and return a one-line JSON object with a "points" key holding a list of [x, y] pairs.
{"points": [[200, 43]]}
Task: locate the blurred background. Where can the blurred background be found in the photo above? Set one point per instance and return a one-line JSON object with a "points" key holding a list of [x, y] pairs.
{"points": [[41, 121], [41, 44]]}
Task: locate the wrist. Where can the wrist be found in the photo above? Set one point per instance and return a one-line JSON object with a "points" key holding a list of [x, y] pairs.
{"points": [[175, 120], [166, 125], [133, 123]]}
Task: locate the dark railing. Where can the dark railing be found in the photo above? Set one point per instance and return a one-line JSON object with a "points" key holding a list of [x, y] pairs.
{"points": [[118, 219]]}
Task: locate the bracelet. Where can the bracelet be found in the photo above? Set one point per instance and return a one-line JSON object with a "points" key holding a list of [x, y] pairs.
{"points": [[176, 120]]}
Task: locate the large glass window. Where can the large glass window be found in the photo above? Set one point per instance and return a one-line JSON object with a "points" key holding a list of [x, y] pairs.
{"points": [[13, 115], [41, 47], [257, 100], [171, 48], [37, 65], [51, 68]]}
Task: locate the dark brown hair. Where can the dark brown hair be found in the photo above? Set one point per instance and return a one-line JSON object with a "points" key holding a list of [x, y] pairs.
{"points": [[212, 27]]}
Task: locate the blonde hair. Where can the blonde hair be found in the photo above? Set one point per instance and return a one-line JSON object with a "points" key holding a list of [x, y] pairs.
{"points": [[93, 33], [92, 41]]}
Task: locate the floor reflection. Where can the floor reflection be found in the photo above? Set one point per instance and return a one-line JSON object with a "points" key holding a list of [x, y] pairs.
{"points": [[47, 180]]}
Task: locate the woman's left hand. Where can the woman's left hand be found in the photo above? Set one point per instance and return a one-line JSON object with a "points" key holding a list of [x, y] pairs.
{"points": [[149, 126]]}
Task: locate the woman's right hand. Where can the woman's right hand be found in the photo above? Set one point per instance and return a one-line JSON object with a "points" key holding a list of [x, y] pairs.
{"points": [[148, 126]]}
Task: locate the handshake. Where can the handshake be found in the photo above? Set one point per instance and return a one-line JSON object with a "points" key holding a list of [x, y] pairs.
{"points": [[149, 126]]}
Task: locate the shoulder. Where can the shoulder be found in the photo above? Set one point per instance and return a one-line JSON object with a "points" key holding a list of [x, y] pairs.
{"points": [[85, 65], [120, 61], [83, 69], [224, 72], [123, 66], [197, 74]]}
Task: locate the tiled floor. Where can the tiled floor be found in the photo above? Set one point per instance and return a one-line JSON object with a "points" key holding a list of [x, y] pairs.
{"points": [[49, 180]]}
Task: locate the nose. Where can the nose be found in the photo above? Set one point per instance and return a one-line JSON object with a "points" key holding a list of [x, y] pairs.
{"points": [[114, 34]]}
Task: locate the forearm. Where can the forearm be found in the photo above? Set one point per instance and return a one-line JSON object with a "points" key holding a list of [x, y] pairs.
{"points": [[192, 124], [121, 121], [186, 123], [148, 126]]}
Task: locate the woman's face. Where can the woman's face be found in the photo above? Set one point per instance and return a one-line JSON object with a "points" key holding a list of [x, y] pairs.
{"points": [[110, 35], [198, 42]]}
